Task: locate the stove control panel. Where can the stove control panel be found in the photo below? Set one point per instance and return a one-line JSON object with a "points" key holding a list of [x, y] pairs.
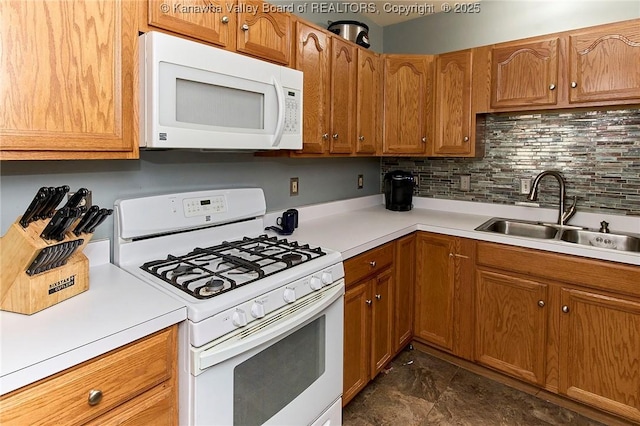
{"points": [[204, 206]]}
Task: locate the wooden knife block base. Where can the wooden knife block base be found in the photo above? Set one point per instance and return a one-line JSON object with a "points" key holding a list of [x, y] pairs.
{"points": [[27, 294]]}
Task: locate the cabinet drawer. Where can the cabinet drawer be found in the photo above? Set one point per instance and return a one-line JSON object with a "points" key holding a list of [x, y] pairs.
{"points": [[120, 375], [368, 263]]}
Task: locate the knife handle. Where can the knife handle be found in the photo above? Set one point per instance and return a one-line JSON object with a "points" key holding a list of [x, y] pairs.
{"points": [[86, 219], [102, 215], [58, 196], [40, 196], [76, 198], [54, 223]]}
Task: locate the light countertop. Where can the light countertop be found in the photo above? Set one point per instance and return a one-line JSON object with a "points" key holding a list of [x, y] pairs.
{"points": [[116, 310], [355, 226]]}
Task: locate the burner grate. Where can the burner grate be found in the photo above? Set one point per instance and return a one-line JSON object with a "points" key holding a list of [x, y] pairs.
{"points": [[207, 272]]}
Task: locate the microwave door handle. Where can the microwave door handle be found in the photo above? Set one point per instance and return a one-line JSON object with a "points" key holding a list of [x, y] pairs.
{"points": [[280, 124], [222, 352]]}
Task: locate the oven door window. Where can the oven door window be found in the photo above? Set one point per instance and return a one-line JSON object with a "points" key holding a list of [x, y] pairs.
{"points": [[271, 379]]}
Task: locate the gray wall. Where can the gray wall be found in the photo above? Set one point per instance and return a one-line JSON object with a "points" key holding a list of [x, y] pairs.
{"points": [[321, 180], [501, 20]]}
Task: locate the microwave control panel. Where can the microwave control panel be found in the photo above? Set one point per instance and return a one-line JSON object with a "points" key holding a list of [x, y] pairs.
{"points": [[292, 108]]}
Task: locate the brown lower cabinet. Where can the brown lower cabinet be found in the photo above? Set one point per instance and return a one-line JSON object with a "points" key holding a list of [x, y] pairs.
{"points": [[137, 384], [565, 324]]}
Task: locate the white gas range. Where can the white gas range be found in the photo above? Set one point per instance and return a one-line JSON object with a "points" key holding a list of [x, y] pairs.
{"points": [[264, 336]]}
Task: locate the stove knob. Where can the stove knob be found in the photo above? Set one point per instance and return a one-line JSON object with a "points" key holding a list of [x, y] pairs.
{"points": [[327, 278], [239, 318], [257, 310], [315, 283], [289, 295]]}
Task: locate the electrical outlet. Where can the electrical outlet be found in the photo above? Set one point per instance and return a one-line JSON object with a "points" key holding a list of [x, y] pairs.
{"points": [[86, 201], [465, 182], [360, 181], [525, 186], [293, 186]]}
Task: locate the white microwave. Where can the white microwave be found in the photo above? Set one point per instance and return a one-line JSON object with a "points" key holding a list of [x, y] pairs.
{"points": [[195, 96]]}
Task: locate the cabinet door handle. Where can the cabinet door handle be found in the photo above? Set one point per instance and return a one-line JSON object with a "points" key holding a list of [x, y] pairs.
{"points": [[325, 136], [466, 139], [95, 396], [361, 138], [372, 263], [541, 303], [424, 139], [378, 296], [368, 302], [552, 86], [335, 136], [245, 27], [574, 84], [565, 309], [224, 20]]}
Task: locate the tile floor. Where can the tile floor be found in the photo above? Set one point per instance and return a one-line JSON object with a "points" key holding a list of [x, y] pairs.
{"points": [[419, 389]]}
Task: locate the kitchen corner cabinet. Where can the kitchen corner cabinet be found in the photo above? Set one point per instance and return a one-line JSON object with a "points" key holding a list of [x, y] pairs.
{"points": [[443, 292], [408, 109], [132, 385], [368, 317], [454, 135], [404, 264], [596, 66], [245, 26], [69, 82]]}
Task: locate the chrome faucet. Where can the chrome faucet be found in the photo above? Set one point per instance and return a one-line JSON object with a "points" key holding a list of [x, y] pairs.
{"points": [[563, 216]]}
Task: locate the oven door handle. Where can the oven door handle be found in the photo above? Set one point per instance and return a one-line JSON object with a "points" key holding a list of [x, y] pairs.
{"points": [[238, 345]]}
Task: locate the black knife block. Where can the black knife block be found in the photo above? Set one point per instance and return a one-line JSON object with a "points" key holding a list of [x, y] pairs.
{"points": [[27, 294]]}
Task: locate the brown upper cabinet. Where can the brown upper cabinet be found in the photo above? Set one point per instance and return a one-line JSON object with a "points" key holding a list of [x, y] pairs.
{"points": [[595, 66], [245, 26], [408, 109], [453, 132], [342, 94], [68, 84]]}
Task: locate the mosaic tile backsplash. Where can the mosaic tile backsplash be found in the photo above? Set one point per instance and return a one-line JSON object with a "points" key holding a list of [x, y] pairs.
{"points": [[598, 152]]}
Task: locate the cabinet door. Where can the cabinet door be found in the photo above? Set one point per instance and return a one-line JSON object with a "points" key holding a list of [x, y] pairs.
{"points": [[313, 58], [382, 321], [343, 96], [604, 63], [369, 102], [434, 291], [453, 135], [357, 339], [524, 74], [407, 103], [68, 86], [599, 350], [263, 33], [404, 266], [213, 21], [511, 324]]}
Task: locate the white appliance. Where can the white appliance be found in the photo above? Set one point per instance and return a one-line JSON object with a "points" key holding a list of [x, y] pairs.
{"points": [[263, 340], [202, 97]]}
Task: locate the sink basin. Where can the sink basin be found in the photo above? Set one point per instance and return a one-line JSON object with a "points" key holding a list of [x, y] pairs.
{"points": [[519, 228], [602, 240]]}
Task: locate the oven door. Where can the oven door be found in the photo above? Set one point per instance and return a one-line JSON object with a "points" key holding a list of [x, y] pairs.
{"points": [[286, 370]]}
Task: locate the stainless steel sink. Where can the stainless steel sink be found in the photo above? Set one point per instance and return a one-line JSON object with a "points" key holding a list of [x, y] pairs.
{"points": [[570, 234], [519, 228], [602, 240]]}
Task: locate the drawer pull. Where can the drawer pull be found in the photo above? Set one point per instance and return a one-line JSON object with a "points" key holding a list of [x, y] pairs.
{"points": [[372, 263], [95, 396]]}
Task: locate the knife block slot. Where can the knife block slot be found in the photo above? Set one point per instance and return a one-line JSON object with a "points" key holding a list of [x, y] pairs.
{"points": [[27, 294]]}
